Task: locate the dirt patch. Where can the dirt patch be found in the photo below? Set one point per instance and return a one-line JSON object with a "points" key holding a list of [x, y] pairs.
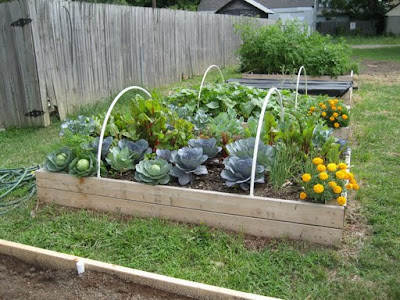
{"points": [[377, 71], [19, 280]]}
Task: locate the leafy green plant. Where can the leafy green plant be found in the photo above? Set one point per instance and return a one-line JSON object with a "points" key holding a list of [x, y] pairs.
{"points": [[188, 161], [137, 150], [238, 172], [58, 161], [120, 159], [153, 171], [209, 146], [93, 146], [283, 49], [83, 165], [225, 127], [81, 125]]}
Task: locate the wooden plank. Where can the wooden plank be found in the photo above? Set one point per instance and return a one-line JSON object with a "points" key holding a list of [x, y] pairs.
{"points": [[247, 225], [257, 207], [293, 77]]}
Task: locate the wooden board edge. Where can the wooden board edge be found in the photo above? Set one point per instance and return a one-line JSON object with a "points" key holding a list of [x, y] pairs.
{"points": [[57, 260], [264, 208], [279, 76], [248, 225]]}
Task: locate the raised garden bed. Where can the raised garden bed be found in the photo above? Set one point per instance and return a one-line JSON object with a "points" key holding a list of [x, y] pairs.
{"points": [[258, 216]]}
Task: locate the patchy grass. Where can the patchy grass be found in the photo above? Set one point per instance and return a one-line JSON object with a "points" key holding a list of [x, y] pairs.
{"points": [[378, 40], [389, 54], [280, 268]]}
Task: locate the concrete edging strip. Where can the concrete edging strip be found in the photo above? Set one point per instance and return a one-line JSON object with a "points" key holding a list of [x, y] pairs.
{"points": [[56, 260]]}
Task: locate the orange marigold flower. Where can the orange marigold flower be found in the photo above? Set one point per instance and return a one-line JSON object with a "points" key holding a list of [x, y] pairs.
{"points": [[356, 187], [336, 101], [323, 114], [351, 175], [353, 181], [317, 161], [332, 184], [318, 188], [332, 167], [323, 176], [331, 102], [336, 125], [321, 168], [337, 189], [332, 118], [342, 166], [335, 115], [306, 177], [349, 186], [341, 200], [324, 106], [303, 195], [340, 175], [345, 117]]}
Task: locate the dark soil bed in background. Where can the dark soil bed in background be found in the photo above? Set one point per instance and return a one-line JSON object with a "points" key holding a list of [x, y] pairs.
{"points": [[19, 280]]}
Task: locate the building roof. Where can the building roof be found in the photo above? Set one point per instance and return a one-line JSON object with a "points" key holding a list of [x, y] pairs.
{"points": [[255, 4], [394, 12], [214, 5]]}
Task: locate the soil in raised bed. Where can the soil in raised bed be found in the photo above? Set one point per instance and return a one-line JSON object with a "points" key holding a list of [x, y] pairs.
{"points": [[214, 182], [19, 280]]}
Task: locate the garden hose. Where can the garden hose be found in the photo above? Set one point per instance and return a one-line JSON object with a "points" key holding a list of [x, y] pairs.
{"points": [[19, 180]]}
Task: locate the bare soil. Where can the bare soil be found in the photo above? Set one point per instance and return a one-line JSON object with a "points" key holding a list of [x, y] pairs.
{"points": [[383, 72], [19, 280]]}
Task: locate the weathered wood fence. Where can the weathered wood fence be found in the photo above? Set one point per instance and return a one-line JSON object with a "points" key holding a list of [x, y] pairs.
{"points": [[75, 53]]}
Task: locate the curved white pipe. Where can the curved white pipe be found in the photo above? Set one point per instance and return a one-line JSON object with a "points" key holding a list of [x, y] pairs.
{"points": [[297, 85], [204, 78], [103, 129], [259, 128]]}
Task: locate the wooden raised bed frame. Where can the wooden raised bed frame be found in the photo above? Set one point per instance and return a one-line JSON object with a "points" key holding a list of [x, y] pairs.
{"points": [[258, 216]]}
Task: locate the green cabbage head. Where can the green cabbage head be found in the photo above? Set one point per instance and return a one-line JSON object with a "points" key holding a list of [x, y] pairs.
{"points": [[58, 161], [153, 171], [83, 165]]}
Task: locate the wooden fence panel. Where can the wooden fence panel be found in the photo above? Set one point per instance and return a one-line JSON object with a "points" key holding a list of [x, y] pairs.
{"points": [[82, 52]]}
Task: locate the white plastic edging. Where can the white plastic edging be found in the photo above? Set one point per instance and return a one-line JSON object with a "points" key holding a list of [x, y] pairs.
{"points": [[297, 85], [204, 78], [259, 128], [103, 129]]}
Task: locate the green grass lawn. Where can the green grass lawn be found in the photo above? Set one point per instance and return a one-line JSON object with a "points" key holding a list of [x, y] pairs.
{"points": [[379, 40], [279, 268], [388, 54]]}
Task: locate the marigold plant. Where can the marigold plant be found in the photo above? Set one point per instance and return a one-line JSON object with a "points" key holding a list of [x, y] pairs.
{"points": [[333, 111], [327, 181]]}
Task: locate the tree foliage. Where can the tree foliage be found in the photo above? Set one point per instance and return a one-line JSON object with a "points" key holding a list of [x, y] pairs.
{"points": [[359, 9]]}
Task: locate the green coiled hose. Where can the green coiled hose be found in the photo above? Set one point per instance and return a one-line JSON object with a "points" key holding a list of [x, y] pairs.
{"points": [[12, 180]]}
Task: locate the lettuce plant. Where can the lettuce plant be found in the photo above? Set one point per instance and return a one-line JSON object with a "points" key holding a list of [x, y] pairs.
{"points": [[120, 159], [153, 171], [209, 146], [83, 165], [188, 162], [238, 172], [58, 161]]}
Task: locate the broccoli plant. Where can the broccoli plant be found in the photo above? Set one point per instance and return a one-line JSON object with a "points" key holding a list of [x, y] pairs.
{"points": [[188, 162]]}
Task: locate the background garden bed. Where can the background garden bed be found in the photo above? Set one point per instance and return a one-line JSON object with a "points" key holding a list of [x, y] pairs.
{"points": [[256, 216]]}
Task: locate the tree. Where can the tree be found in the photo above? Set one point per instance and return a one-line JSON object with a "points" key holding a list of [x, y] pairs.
{"points": [[359, 9]]}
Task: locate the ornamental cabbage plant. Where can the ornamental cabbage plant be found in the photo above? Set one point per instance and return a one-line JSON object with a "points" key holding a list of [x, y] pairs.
{"points": [[238, 172], [188, 162], [153, 171], [120, 159], [58, 161], [209, 146], [83, 165], [137, 150]]}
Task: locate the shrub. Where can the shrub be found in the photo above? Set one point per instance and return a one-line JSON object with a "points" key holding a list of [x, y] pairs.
{"points": [[284, 49]]}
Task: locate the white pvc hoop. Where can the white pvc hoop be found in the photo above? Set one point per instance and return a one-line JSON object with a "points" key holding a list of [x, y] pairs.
{"points": [[297, 85], [103, 129], [204, 78], [259, 128]]}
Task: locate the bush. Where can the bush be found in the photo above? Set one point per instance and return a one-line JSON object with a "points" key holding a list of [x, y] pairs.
{"points": [[284, 49]]}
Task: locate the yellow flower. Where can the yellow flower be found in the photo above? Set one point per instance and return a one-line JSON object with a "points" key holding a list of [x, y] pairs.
{"points": [[303, 195], [312, 108], [335, 101], [345, 117], [342, 166], [336, 125], [323, 114], [332, 167], [318, 188], [340, 175], [323, 176], [324, 106], [317, 161], [320, 104], [332, 184], [349, 186], [351, 175], [341, 200], [353, 181], [333, 107], [337, 189], [331, 102], [321, 168], [356, 186], [306, 177], [340, 108], [332, 119], [335, 115]]}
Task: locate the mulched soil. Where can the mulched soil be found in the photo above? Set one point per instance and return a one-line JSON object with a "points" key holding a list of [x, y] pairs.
{"points": [[19, 280]]}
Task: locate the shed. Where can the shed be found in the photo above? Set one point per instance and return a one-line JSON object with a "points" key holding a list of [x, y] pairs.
{"points": [[392, 20]]}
